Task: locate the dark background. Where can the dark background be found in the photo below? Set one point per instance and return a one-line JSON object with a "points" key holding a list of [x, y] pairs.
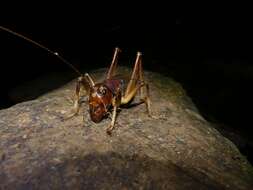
{"points": [[208, 50]]}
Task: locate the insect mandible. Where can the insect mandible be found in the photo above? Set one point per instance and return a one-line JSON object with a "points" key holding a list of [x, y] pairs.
{"points": [[107, 96]]}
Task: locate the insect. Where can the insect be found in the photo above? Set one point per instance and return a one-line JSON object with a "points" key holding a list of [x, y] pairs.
{"points": [[107, 96]]}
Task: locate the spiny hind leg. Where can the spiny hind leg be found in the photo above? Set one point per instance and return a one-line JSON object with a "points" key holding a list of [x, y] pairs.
{"points": [[146, 98], [113, 65], [137, 83]]}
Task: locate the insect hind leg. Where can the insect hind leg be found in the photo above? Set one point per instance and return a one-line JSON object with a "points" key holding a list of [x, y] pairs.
{"points": [[136, 84], [144, 88], [114, 63]]}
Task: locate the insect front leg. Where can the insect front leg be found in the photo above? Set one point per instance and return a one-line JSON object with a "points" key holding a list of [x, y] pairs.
{"points": [[116, 101], [111, 126], [79, 84], [136, 84]]}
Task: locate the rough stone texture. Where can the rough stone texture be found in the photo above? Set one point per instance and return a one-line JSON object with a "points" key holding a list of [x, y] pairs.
{"points": [[177, 149]]}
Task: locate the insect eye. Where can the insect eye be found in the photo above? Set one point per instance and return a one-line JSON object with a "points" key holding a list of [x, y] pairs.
{"points": [[102, 91]]}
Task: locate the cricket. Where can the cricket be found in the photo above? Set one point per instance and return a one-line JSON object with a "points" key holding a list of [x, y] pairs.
{"points": [[106, 97]]}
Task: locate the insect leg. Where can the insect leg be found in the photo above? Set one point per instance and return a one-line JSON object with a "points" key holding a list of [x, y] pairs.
{"points": [[130, 95], [135, 75], [76, 106], [88, 80], [144, 87], [137, 83], [115, 103], [113, 66], [111, 126]]}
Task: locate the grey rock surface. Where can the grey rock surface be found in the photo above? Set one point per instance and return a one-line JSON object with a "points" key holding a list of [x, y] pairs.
{"points": [[176, 149]]}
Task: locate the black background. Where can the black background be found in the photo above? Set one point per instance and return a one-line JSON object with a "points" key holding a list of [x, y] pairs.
{"points": [[205, 47]]}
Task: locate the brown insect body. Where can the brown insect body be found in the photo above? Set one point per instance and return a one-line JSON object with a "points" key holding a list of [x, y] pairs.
{"points": [[101, 98], [100, 101]]}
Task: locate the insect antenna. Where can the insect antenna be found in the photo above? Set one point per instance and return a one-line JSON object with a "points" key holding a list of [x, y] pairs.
{"points": [[42, 47]]}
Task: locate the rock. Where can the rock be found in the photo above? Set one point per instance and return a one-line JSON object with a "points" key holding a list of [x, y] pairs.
{"points": [[177, 149], [40, 86]]}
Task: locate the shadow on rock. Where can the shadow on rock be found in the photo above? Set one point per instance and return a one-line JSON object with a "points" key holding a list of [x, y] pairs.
{"points": [[109, 171]]}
